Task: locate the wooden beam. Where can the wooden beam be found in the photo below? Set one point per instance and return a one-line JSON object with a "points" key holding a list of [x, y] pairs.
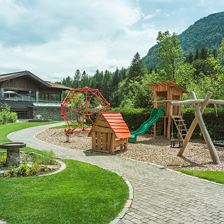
{"points": [[205, 133], [179, 102], [194, 125], [220, 102]]}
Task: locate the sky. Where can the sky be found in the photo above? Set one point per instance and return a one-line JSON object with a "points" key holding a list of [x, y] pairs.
{"points": [[53, 38]]}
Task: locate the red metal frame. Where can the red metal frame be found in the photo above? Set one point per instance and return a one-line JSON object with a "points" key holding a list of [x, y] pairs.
{"points": [[83, 110]]}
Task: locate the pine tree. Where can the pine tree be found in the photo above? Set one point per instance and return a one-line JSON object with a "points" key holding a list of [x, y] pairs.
{"points": [[204, 53], [197, 56], [136, 70], [76, 81], [84, 79]]}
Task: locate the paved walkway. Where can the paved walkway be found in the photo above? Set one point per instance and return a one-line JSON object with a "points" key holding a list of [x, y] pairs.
{"points": [[160, 195]]}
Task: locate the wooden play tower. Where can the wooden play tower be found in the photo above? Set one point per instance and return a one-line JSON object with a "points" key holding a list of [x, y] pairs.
{"points": [[163, 94]]}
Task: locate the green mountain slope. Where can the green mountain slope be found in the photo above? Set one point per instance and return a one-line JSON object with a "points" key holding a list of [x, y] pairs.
{"points": [[205, 33]]}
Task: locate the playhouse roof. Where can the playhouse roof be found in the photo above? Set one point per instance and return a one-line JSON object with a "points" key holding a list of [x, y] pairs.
{"points": [[116, 122], [165, 85]]}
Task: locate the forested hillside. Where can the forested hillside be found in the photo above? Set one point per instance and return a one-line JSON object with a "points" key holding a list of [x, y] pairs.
{"points": [[205, 33], [201, 70]]}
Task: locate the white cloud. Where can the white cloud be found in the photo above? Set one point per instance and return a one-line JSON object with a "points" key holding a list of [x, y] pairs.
{"points": [[61, 36]]}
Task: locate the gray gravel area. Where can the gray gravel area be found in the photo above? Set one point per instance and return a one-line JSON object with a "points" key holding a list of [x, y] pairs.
{"points": [[153, 150]]}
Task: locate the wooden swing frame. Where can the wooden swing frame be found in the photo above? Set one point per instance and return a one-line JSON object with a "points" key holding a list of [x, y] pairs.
{"points": [[200, 106]]}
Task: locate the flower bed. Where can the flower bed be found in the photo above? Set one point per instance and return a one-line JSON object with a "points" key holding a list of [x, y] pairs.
{"points": [[31, 164]]}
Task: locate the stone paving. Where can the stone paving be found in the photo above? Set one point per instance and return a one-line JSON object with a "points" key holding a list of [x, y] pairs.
{"points": [[160, 195]]}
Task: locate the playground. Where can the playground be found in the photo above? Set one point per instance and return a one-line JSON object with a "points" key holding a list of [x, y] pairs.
{"points": [[163, 139]]}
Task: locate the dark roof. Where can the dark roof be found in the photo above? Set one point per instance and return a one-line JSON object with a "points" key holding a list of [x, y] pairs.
{"points": [[57, 85], [13, 75]]}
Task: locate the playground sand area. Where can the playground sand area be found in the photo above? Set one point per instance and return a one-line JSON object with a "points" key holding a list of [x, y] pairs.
{"points": [[147, 149]]}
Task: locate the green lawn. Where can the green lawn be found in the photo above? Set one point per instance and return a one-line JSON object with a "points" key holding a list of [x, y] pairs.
{"points": [[62, 126], [82, 193], [216, 176], [8, 128]]}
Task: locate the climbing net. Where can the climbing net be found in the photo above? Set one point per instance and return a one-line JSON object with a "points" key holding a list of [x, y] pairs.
{"points": [[80, 108]]}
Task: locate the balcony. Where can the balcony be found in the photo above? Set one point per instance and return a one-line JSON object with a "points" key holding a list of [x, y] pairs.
{"points": [[31, 100]]}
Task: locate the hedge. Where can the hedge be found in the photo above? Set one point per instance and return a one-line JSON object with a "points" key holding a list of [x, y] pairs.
{"points": [[215, 124], [133, 117]]}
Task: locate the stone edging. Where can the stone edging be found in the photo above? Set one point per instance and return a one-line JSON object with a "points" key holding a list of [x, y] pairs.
{"points": [[127, 204], [62, 167]]}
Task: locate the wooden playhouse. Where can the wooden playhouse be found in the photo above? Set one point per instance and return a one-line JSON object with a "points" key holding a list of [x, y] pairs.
{"points": [[163, 94], [109, 133]]}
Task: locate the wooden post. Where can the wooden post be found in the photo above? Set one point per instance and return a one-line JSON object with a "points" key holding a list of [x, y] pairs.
{"points": [[155, 104], [205, 133], [170, 113], [164, 126], [194, 125]]}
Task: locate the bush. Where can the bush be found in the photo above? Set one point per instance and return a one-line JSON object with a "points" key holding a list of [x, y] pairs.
{"points": [[22, 170], [6, 115], [3, 158], [134, 117], [47, 159], [214, 123]]}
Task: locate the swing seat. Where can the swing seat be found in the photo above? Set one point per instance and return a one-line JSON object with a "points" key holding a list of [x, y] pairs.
{"points": [[176, 143]]}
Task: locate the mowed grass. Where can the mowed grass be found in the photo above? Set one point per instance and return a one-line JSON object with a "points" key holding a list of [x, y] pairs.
{"points": [[62, 126], [216, 176], [8, 128], [81, 194]]}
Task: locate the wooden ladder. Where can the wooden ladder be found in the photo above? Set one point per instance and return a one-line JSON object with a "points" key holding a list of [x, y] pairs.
{"points": [[181, 127]]}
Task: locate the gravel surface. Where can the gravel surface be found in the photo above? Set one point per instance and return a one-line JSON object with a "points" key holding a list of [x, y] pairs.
{"points": [[154, 150]]}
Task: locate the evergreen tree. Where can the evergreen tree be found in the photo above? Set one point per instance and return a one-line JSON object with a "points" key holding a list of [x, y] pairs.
{"points": [[190, 58], [204, 53], [77, 77], [196, 55], [136, 70], [84, 79]]}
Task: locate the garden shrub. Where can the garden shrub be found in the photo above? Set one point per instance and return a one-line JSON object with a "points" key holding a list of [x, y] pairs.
{"points": [[6, 115], [134, 117], [22, 170], [47, 159]]}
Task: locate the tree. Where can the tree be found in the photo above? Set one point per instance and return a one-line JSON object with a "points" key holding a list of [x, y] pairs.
{"points": [[84, 79], [76, 81], [197, 56], [169, 53], [136, 70], [221, 52], [204, 53], [184, 74], [190, 58]]}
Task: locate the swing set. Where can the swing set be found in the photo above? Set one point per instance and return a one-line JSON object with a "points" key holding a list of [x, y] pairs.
{"points": [[171, 95]]}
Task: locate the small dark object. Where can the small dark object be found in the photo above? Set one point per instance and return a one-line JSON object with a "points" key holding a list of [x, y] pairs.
{"points": [[176, 141], [13, 152], [219, 143]]}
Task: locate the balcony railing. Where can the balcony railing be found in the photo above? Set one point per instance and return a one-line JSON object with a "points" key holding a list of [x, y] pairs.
{"points": [[29, 99]]}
